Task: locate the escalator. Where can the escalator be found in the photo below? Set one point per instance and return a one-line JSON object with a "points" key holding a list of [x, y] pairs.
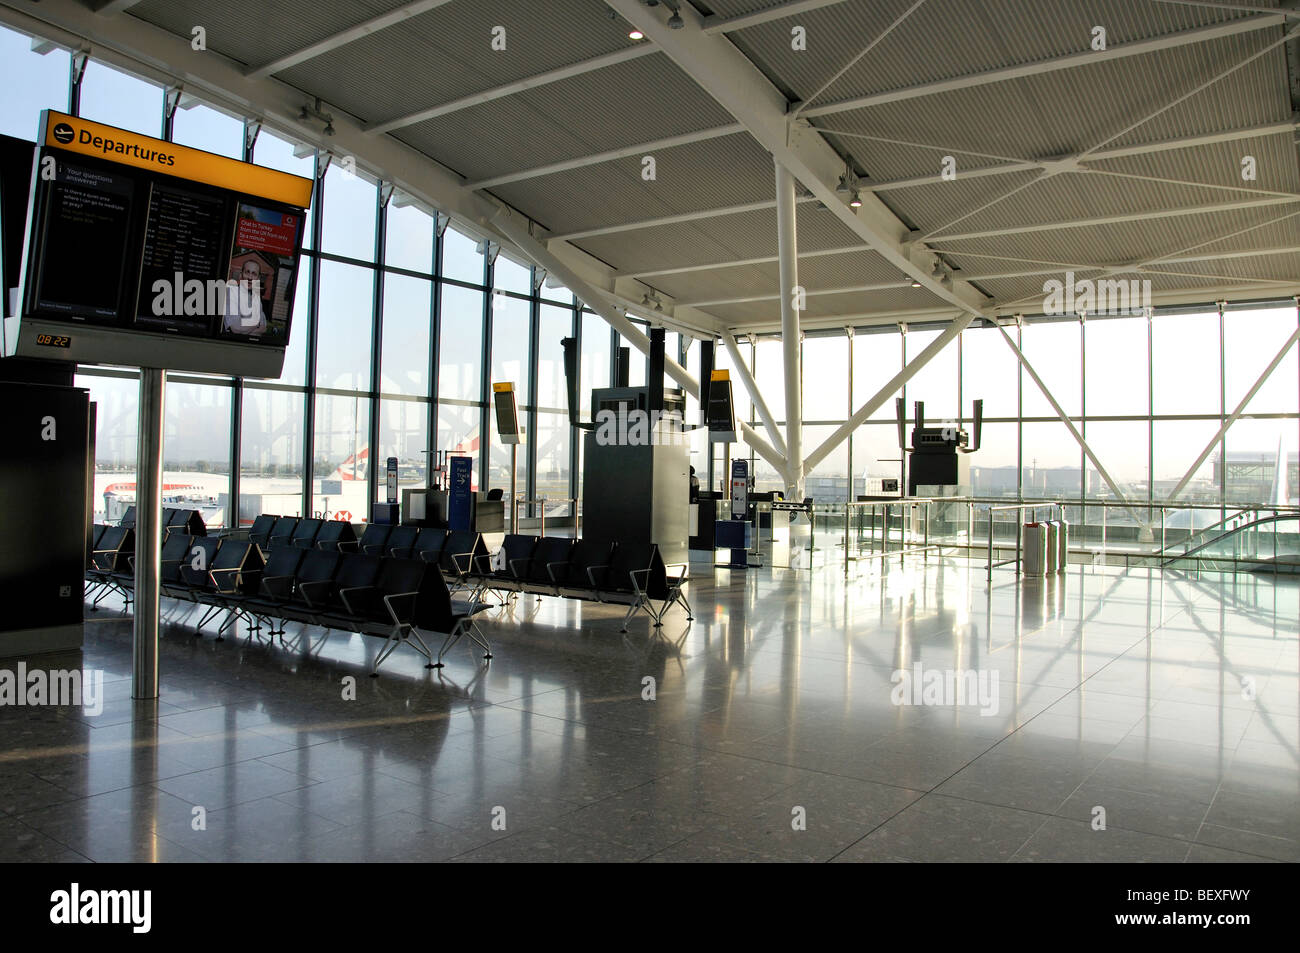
{"points": [[1269, 544]]}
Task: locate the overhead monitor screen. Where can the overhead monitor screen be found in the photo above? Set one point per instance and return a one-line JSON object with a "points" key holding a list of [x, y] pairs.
{"points": [[141, 236]]}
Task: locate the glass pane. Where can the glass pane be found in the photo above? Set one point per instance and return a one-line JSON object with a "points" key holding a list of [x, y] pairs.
{"points": [[1185, 359], [829, 483], [342, 457], [343, 339], [993, 469], [768, 366], [458, 432], [270, 455], [553, 438], [294, 370], [196, 450], [114, 98], [936, 382], [117, 410], [989, 372], [202, 127], [510, 332], [32, 82], [349, 214], [404, 358], [1117, 369], [509, 275], [1052, 349], [460, 258], [408, 239], [403, 433], [825, 378], [1121, 446], [1177, 444], [876, 359], [875, 457], [1253, 447], [460, 347], [1051, 461], [554, 325], [276, 153], [595, 369], [1251, 339]]}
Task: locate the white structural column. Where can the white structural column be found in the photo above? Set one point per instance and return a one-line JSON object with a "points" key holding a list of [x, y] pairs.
{"points": [[747, 379], [1234, 416], [788, 265]]}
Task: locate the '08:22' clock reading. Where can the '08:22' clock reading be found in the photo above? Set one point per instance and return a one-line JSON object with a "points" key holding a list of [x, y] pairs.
{"points": [[54, 340]]}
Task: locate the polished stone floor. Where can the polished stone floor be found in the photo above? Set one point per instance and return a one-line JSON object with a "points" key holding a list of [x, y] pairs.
{"points": [[1163, 706]]}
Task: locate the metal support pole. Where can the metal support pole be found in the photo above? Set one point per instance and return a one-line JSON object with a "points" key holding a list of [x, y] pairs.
{"points": [[514, 485], [148, 533], [788, 265]]}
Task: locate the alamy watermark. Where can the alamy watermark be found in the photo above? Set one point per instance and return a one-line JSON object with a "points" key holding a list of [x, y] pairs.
{"points": [[234, 297], [946, 688], [58, 687], [639, 428], [1102, 296]]}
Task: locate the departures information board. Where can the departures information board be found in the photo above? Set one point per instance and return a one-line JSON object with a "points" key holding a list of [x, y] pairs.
{"points": [[157, 242]]}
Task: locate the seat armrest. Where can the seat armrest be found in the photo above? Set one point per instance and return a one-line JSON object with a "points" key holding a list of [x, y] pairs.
{"points": [[277, 587], [303, 588], [426, 554], [590, 571], [216, 584], [484, 569], [457, 557], [513, 564], [343, 595], [400, 616], [550, 569]]}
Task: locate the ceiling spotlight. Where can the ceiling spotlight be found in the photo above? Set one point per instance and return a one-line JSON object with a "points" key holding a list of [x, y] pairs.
{"points": [[302, 114], [938, 271], [635, 34], [915, 283], [329, 128], [675, 22], [856, 201]]}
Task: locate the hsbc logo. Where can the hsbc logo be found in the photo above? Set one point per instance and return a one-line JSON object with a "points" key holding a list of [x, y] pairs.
{"points": [[63, 133]]}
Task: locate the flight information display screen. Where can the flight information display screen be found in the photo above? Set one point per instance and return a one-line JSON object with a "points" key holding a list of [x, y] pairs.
{"points": [[143, 235]]}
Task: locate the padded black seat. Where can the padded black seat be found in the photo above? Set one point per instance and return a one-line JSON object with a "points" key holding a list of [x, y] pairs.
{"points": [[401, 541], [335, 535], [514, 558], [551, 552], [281, 533], [175, 553], [357, 571], [373, 539], [583, 557], [260, 531], [304, 534], [128, 518], [429, 545], [200, 558]]}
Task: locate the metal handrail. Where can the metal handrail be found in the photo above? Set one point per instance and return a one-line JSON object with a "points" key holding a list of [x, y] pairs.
{"points": [[542, 501]]}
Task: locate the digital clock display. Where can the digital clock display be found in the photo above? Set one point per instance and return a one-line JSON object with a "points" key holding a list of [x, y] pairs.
{"points": [[54, 340]]}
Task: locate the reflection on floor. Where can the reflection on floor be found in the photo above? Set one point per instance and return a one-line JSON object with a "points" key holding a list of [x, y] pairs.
{"points": [[1159, 707]]}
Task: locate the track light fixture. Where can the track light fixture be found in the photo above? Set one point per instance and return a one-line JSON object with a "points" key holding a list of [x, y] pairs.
{"points": [[856, 201], [313, 110], [915, 283], [675, 22], [635, 34]]}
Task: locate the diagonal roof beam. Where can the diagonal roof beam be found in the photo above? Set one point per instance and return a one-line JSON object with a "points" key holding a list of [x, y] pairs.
{"points": [[716, 24], [1072, 61], [621, 153], [344, 37], [108, 8], [1119, 219], [742, 89], [509, 89], [1166, 145], [678, 219]]}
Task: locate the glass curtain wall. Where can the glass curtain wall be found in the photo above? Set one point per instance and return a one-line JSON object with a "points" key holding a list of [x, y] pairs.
{"points": [[400, 327]]}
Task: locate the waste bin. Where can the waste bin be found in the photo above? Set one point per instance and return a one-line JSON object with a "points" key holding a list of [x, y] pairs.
{"points": [[1063, 544], [1052, 532], [1033, 549]]}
